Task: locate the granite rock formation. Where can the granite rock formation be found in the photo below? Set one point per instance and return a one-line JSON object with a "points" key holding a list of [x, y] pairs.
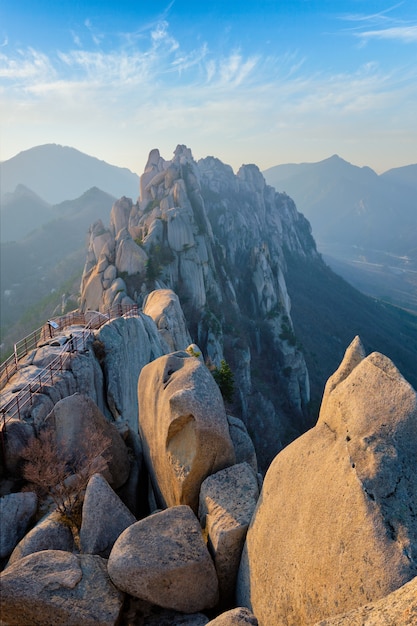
{"points": [[217, 240], [335, 526], [183, 426]]}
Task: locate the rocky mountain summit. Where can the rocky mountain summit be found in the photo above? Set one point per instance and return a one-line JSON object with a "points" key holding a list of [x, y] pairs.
{"points": [[217, 239], [178, 532], [133, 493]]}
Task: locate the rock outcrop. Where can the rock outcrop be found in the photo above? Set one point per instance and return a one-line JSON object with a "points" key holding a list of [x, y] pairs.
{"points": [[54, 588], [50, 533], [104, 517], [183, 425], [335, 524], [16, 513], [217, 240], [74, 419], [163, 306], [163, 560], [227, 502], [128, 345], [235, 617]]}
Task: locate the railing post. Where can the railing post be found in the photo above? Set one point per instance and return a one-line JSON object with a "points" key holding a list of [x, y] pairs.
{"points": [[18, 406], [3, 444]]}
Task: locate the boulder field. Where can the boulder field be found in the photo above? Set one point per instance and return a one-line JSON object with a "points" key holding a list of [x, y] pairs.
{"points": [[179, 528]]}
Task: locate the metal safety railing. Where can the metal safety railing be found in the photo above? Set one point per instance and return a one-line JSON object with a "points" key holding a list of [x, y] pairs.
{"points": [[91, 320]]}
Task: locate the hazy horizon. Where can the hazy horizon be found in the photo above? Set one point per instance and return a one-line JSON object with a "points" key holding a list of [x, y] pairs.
{"points": [[267, 84]]}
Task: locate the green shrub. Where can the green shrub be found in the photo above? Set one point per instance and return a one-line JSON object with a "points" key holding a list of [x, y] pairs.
{"points": [[225, 380]]}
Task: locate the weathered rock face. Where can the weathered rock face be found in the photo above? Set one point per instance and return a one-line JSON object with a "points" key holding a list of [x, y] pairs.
{"points": [[73, 418], [240, 616], [54, 588], [217, 240], [49, 534], [183, 426], [104, 517], [16, 513], [242, 443], [340, 529], [163, 560], [399, 608], [128, 345], [227, 502], [164, 308]]}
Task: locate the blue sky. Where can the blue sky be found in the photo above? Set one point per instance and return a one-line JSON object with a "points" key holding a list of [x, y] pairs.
{"points": [[263, 82]]}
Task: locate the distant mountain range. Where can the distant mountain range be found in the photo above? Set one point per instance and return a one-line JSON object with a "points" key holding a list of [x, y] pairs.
{"points": [[39, 267], [57, 173], [52, 194], [365, 224]]}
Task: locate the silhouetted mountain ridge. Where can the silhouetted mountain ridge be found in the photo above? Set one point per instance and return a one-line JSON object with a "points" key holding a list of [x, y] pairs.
{"points": [[57, 173], [364, 223]]}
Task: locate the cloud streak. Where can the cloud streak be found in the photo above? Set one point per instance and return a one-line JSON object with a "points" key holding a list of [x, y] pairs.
{"points": [[156, 85], [406, 34]]}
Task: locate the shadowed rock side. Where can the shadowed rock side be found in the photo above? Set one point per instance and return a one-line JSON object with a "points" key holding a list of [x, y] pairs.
{"points": [[335, 526], [217, 240]]}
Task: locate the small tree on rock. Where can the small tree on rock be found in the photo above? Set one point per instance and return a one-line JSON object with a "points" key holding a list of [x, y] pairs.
{"points": [[223, 376], [52, 470]]}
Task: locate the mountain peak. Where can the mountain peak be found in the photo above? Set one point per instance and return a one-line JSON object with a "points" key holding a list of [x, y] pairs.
{"points": [[59, 173]]}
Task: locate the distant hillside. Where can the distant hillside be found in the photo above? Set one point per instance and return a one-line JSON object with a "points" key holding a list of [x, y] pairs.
{"points": [[347, 204], [327, 313], [21, 212], [365, 224], [36, 269], [57, 173]]}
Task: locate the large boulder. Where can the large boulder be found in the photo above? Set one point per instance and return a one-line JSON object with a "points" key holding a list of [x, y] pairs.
{"points": [[51, 533], [104, 517], [16, 512], [163, 559], [163, 306], [335, 524], [17, 438], [183, 425], [74, 419], [128, 344], [227, 502], [55, 588], [399, 608]]}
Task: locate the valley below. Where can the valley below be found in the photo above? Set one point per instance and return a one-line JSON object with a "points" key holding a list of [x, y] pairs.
{"points": [[384, 275]]}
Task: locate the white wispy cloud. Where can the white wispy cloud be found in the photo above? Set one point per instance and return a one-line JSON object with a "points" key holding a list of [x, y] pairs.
{"points": [[382, 25], [28, 65], [378, 16], [406, 34], [168, 91]]}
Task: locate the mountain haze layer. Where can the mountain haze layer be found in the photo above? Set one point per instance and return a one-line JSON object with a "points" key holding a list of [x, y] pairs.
{"points": [[57, 173], [365, 225], [38, 270]]}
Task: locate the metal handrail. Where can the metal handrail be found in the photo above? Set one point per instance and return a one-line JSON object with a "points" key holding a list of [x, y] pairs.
{"points": [[24, 397], [10, 366]]}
